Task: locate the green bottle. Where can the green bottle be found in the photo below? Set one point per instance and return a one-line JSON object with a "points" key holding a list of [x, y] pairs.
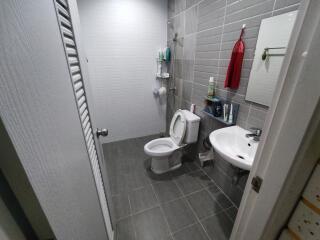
{"points": [[211, 88]]}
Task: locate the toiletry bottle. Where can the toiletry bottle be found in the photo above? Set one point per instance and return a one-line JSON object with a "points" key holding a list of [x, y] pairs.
{"points": [[211, 88], [192, 108], [160, 55], [168, 54], [231, 114], [225, 112], [217, 107]]}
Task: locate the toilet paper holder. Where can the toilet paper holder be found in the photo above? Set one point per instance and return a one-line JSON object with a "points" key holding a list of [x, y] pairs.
{"points": [[158, 92]]}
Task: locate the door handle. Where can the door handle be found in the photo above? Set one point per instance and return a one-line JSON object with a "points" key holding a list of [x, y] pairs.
{"points": [[102, 132]]}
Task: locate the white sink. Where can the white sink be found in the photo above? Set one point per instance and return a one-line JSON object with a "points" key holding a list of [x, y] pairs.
{"points": [[233, 146]]}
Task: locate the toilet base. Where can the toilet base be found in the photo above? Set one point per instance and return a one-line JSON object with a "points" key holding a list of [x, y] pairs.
{"points": [[165, 164]]}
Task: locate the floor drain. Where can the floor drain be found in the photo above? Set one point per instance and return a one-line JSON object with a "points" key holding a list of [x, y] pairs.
{"points": [[239, 156]]}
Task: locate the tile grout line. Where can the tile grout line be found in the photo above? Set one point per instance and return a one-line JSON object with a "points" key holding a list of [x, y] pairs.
{"points": [[205, 187], [185, 227], [220, 188], [162, 212], [131, 220], [151, 184], [202, 219], [221, 40], [130, 208], [213, 198], [230, 218], [274, 6], [183, 195], [198, 219], [192, 210]]}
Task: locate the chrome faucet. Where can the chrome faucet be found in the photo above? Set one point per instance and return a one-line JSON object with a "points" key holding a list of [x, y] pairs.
{"points": [[256, 134]]}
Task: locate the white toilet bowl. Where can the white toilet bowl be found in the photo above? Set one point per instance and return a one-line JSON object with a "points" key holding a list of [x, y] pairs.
{"points": [[164, 151], [161, 150], [160, 147]]}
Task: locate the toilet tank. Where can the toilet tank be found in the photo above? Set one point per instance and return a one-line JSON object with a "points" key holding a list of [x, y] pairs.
{"points": [[192, 129]]}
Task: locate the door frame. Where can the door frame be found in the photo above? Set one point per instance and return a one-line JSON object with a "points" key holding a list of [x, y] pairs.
{"points": [[289, 129], [75, 18]]}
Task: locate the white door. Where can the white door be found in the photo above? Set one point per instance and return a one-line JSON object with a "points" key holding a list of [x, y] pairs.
{"points": [[287, 131], [68, 19]]}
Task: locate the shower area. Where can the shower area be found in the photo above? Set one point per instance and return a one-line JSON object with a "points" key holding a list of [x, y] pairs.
{"points": [[121, 41]]}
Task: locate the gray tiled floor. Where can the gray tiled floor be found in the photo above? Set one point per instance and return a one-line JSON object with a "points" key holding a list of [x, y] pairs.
{"points": [[183, 204]]}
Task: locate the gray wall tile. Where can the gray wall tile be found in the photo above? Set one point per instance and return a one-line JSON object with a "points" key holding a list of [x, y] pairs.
{"points": [[191, 21], [264, 7], [286, 9], [285, 3], [189, 46], [180, 5], [187, 70], [187, 90], [171, 8], [192, 2], [207, 31]]}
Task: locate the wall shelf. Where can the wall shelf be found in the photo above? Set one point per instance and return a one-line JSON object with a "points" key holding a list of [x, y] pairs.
{"points": [[209, 111], [163, 75]]}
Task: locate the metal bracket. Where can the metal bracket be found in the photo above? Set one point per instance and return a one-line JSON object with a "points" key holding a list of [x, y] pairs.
{"points": [[256, 183]]}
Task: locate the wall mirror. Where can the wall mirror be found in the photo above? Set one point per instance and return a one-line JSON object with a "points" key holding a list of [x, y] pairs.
{"points": [[273, 39]]}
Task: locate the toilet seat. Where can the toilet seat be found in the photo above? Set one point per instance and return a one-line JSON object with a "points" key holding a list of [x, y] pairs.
{"points": [[165, 146], [178, 127]]}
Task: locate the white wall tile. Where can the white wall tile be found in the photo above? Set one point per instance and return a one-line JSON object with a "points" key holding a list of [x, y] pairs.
{"points": [[121, 40]]}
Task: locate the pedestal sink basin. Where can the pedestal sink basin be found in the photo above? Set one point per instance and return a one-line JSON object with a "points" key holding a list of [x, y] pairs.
{"points": [[233, 146]]}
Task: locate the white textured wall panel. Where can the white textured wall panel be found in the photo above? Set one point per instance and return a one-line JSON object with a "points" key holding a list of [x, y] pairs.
{"points": [[121, 40], [38, 110]]}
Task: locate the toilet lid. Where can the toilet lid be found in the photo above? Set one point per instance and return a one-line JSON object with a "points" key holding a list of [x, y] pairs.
{"points": [[178, 127]]}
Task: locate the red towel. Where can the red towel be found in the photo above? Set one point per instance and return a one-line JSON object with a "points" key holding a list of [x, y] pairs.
{"points": [[235, 65]]}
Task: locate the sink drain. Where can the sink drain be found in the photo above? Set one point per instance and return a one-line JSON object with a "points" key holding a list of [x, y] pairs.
{"points": [[239, 156]]}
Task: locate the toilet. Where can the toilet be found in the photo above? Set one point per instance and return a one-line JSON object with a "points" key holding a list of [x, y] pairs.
{"points": [[184, 129]]}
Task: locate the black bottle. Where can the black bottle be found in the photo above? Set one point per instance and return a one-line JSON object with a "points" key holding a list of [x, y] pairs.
{"points": [[217, 107]]}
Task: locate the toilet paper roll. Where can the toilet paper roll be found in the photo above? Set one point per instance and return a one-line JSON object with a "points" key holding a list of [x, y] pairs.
{"points": [[162, 91]]}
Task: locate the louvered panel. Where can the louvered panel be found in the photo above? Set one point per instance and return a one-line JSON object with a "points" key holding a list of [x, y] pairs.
{"points": [[76, 77], [85, 122], [71, 51], [69, 42], [100, 188], [74, 69], [77, 86], [67, 32], [81, 101], [91, 151], [63, 12], [80, 94], [63, 3], [73, 60], [87, 129], [87, 137], [84, 114], [83, 111], [90, 143], [65, 22]]}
